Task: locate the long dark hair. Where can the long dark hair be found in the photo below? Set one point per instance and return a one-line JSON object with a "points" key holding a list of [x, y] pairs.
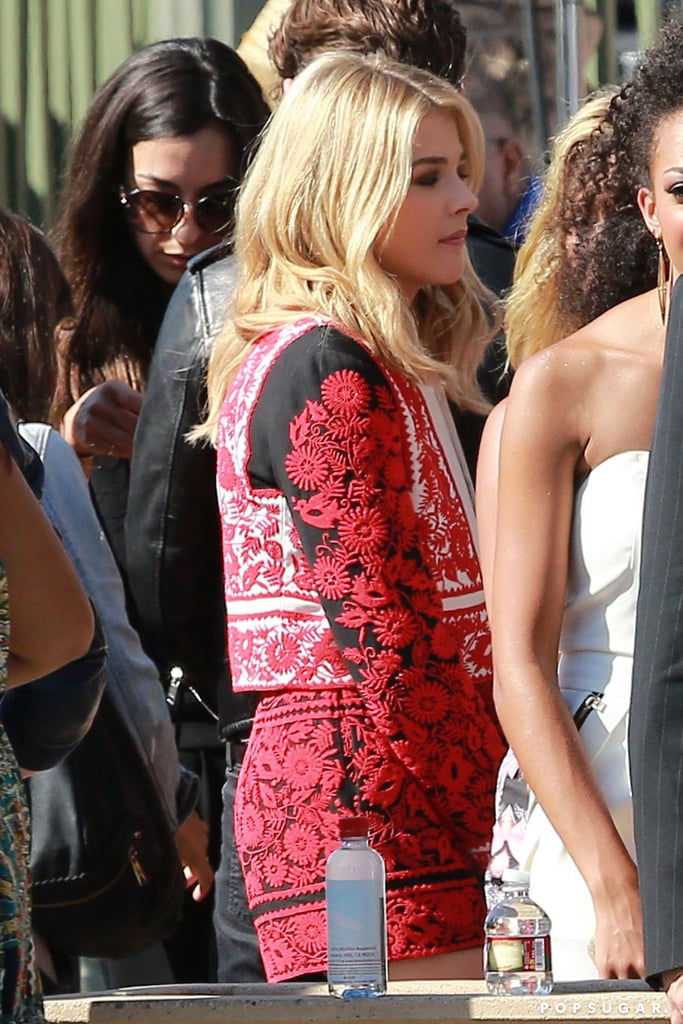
{"points": [[170, 88], [34, 298]]}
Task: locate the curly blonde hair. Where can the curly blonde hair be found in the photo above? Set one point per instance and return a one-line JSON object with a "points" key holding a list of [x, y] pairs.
{"points": [[332, 171], [534, 317]]}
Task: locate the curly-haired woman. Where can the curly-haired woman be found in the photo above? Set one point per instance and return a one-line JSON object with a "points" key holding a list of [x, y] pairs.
{"points": [[562, 474]]}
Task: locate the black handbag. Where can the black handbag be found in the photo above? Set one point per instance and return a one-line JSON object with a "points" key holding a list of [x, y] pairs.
{"points": [[107, 881], [21, 451]]}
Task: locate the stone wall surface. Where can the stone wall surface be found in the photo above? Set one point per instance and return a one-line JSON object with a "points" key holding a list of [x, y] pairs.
{"points": [[417, 1002]]}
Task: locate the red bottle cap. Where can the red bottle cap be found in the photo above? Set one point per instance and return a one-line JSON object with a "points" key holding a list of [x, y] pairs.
{"points": [[353, 826]]}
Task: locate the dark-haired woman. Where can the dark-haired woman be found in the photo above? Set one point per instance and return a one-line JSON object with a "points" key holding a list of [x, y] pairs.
{"points": [[151, 183]]}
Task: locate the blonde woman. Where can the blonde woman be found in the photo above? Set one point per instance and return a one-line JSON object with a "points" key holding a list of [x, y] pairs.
{"points": [[353, 590]]}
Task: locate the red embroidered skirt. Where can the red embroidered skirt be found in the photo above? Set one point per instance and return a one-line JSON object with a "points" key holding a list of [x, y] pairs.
{"points": [[315, 755]]}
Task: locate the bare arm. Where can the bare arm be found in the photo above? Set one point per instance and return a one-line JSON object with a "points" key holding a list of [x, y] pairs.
{"points": [[543, 439], [51, 622], [487, 494]]}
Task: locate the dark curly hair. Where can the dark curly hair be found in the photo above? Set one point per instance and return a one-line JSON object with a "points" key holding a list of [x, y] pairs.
{"points": [[169, 88], [615, 256], [426, 33]]}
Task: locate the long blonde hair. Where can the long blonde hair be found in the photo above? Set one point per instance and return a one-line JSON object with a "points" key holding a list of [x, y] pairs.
{"points": [[533, 317], [332, 170]]}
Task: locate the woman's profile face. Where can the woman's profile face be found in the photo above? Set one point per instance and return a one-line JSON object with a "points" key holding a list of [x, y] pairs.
{"points": [[198, 170], [662, 204], [426, 243]]}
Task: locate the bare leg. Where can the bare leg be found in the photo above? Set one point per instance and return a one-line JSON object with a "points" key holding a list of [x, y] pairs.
{"points": [[466, 963]]}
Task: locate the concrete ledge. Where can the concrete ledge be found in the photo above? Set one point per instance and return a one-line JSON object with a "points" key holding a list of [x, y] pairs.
{"points": [[417, 1002]]}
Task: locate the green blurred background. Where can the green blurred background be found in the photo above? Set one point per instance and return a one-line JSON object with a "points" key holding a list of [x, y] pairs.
{"points": [[54, 54]]}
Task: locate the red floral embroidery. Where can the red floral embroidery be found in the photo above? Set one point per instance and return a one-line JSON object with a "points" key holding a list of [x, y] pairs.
{"points": [[283, 651], [306, 934], [331, 577], [427, 702], [275, 872], [297, 845], [301, 769], [398, 722], [363, 531], [308, 467], [346, 393]]}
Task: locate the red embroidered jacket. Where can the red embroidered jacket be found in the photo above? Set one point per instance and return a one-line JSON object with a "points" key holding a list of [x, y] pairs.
{"points": [[350, 563], [359, 567], [383, 483]]}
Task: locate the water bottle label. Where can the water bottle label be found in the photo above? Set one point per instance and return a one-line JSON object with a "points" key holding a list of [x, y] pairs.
{"points": [[512, 954], [356, 948]]}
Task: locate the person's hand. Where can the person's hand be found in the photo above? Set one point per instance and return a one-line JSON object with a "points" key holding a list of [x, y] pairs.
{"points": [[103, 420], [673, 983], [619, 947], [192, 843]]}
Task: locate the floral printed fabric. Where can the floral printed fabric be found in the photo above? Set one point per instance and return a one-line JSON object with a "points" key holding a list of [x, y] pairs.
{"points": [[20, 999], [507, 840], [354, 600]]}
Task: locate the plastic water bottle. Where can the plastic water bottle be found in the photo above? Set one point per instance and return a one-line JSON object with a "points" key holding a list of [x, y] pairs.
{"points": [[517, 958], [356, 916]]}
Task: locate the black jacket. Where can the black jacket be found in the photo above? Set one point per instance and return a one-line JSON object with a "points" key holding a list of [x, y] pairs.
{"points": [[656, 717], [173, 552], [492, 256]]}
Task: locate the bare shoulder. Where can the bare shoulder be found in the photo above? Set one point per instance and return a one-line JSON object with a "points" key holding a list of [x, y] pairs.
{"points": [[579, 360], [487, 463], [557, 376], [494, 423], [595, 391], [552, 401]]}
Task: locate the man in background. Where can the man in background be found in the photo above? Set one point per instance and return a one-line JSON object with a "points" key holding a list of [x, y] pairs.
{"points": [[510, 190]]}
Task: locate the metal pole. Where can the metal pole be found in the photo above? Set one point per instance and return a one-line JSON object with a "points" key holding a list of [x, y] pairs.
{"points": [[568, 69], [607, 51], [648, 19], [533, 50]]}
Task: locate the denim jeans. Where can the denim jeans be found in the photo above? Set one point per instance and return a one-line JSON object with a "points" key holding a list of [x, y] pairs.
{"points": [[239, 959]]}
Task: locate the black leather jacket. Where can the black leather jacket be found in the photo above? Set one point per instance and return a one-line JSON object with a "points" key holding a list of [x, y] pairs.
{"points": [[173, 547]]}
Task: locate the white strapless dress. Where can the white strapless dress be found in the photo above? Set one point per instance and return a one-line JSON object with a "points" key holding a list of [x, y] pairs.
{"points": [[596, 656]]}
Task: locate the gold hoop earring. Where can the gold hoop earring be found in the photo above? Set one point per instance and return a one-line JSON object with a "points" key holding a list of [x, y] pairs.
{"points": [[664, 282]]}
